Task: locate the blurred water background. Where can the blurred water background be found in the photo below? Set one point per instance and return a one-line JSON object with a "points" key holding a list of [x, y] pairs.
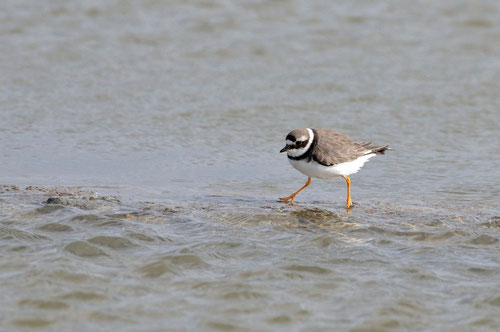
{"points": [[140, 169]]}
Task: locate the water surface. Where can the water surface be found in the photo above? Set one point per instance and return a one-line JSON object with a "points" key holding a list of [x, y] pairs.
{"points": [[154, 128]]}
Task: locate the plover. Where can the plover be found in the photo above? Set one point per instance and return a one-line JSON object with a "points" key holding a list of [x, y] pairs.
{"points": [[325, 154]]}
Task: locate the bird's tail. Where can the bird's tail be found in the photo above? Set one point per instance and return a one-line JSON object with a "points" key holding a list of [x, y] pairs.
{"points": [[379, 149]]}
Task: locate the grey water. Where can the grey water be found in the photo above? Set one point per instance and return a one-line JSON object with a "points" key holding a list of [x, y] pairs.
{"points": [[140, 165]]}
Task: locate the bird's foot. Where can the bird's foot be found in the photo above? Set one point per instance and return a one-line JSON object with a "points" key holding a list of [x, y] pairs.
{"points": [[286, 199]]}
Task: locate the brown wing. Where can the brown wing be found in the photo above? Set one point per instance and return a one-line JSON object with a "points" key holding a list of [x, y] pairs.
{"points": [[334, 147]]}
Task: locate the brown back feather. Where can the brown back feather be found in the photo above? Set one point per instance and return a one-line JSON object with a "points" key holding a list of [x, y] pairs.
{"points": [[334, 147]]}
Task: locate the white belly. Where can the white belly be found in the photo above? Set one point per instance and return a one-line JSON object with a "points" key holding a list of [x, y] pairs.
{"points": [[316, 170]]}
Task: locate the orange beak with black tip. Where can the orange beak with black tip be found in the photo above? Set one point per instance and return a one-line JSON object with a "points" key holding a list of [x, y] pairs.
{"points": [[286, 148]]}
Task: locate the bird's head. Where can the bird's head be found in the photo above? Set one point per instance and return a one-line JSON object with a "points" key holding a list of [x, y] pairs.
{"points": [[298, 141]]}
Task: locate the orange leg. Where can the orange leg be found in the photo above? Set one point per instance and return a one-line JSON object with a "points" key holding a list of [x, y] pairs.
{"points": [[348, 204], [292, 196]]}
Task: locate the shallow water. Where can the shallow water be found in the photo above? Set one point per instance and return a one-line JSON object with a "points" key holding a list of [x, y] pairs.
{"points": [[154, 129], [86, 260]]}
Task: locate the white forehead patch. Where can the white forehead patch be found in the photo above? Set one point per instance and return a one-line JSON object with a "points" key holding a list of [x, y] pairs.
{"points": [[288, 142]]}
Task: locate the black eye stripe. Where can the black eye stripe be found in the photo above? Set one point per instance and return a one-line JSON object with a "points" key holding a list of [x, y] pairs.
{"points": [[300, 144]]}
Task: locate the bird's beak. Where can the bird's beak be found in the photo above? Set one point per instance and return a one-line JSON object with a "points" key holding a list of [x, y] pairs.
{"points": [[285, 149]]}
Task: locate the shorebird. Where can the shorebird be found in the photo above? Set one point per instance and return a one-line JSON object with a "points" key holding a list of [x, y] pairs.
{"points": [[325, 154]]}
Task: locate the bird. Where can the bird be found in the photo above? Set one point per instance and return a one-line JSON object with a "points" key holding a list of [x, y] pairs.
{"points": [[325, 154]]}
